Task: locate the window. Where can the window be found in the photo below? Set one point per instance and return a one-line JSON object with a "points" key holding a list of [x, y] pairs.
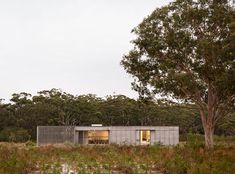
{"points": [[145, 137], [98, 137]]}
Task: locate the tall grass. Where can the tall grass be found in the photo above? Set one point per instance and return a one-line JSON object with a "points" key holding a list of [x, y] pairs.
{"points": [[190, 157]]}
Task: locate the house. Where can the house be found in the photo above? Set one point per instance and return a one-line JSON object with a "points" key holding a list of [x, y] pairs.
{"points": [[97, 134]]}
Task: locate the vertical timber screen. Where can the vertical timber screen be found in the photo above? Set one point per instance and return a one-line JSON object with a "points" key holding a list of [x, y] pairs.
{"points": [[54, 134]]}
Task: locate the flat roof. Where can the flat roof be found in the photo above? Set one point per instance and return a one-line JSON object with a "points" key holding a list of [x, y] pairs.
{"points": [[123, 128]]}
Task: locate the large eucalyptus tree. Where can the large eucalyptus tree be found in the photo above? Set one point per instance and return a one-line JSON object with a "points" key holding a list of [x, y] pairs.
{"points": [[183, 50]]}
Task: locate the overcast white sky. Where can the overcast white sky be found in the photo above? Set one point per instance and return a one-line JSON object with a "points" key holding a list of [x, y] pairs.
{"points": [[73, 45]]}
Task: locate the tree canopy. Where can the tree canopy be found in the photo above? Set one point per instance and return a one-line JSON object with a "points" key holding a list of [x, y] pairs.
{"points": [[20, 117], [184, 51]]}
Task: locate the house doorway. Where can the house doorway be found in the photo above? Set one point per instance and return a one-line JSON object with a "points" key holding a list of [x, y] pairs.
{"points": [[82, 137]]}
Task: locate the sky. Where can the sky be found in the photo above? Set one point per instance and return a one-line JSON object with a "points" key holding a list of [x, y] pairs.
{"points": [[72, 45]]}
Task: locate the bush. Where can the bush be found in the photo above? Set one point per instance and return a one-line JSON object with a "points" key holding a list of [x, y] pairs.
{"points": [[195, 140], [13, 134], [30, 144]]}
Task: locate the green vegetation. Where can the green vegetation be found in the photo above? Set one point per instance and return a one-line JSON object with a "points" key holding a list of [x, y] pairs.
{"points": [[185, 51], [187, 158], [18, 119]]}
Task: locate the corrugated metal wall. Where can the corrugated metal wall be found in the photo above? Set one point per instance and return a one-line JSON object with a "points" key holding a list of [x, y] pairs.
{"points": [[129, 135], [167, 135], [54, 134]]}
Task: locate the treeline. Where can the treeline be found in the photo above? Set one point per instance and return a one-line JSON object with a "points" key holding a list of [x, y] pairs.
{"points": [[20, 117]]}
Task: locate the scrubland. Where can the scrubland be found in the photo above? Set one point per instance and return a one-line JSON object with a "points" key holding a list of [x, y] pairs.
{"points": [[187, 157]]}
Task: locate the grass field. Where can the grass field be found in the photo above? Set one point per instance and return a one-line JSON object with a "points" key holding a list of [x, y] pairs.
{"points": [[188, 157]]}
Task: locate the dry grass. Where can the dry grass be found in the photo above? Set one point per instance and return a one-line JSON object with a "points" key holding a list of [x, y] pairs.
{"points": [[189, 158]]}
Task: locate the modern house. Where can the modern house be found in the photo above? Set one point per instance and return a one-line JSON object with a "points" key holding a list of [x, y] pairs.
{"points": [[97, 134]]}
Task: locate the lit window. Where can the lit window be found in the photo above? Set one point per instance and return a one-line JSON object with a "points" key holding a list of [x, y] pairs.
{"points": [[98, 137], [145, 137]]}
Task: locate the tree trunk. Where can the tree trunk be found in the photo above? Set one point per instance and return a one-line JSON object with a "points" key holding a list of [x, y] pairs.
{"points": [[209, 127], [209, 132], [209, 121]]}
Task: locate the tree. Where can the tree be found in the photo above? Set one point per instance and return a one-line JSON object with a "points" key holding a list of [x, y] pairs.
{"points": [[180, 52]]}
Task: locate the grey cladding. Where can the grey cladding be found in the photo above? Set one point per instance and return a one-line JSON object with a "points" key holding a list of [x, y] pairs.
{"points": [[129, 135]]}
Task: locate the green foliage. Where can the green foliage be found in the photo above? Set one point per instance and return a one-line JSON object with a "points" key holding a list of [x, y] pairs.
{"points": [[13, 134], [179, 48], [30, 144], [185, 51], [227, 125], [194, 140], [19, 119]]}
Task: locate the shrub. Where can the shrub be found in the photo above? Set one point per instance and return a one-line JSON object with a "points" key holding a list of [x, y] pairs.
{"points": [[13, 134]]}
